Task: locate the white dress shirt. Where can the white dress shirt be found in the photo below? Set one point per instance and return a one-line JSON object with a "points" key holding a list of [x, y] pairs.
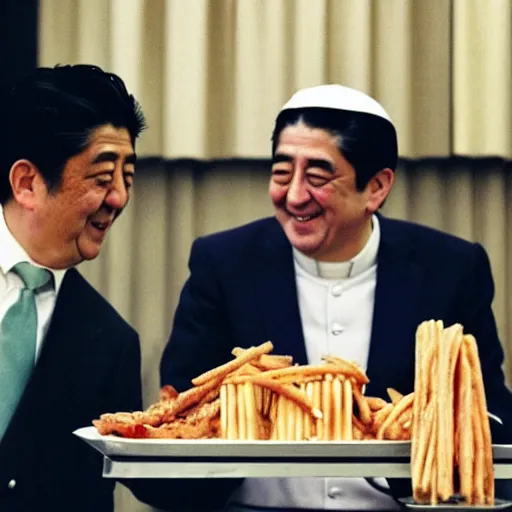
{"points": [[11, 253], [336, 303]]}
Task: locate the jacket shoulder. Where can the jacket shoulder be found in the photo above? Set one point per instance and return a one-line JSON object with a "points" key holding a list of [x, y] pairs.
{"points": [[242, 238], [420, 235], [99, 310]]}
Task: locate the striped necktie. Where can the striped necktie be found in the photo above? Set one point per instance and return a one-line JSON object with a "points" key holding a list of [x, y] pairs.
{"points": [[18, 332]]}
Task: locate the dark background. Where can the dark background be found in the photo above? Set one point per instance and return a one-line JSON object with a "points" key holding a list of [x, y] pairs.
{"points": [[18, 37]]}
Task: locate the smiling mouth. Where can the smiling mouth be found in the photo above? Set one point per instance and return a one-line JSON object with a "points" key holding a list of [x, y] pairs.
{"points": [[101, 226], [305, 218]]}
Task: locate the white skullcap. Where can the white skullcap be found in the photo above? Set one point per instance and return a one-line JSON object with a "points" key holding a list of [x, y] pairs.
{"points": [[336, 97]]}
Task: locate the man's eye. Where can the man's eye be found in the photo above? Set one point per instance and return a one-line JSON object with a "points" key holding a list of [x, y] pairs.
{"points": [[317, 181], [281, 175], [103, 182]]}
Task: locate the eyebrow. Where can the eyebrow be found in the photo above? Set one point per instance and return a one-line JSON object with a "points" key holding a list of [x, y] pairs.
{"points": [[322, 164], [112, 156], [281, 158], [312, 162]]}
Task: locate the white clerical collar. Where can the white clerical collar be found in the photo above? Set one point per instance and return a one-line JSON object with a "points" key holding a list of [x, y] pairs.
{"points": [[12, 253], [364, 260]]}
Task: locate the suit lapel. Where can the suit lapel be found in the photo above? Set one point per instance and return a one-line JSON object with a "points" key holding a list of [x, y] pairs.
{"points": [[276, 295], [397, 298], [51, 385]]}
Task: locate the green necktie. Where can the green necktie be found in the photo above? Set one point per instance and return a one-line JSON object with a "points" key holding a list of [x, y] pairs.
{"points": [[18, 331]]}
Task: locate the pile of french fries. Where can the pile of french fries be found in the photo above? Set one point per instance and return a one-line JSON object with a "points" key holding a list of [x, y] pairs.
{"points": [[451, 443], [259, 396], [273, 399]]}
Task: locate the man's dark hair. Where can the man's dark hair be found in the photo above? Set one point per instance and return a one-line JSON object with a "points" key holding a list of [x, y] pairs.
{"points": [[368, 142], [49, 114]]}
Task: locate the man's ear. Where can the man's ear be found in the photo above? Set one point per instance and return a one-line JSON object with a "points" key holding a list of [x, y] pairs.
{"points": [[378, 189], [26, 182]]}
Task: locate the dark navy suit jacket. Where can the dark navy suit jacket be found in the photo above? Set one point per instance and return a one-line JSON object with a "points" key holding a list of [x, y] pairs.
{"points": [[242, 292], [89, 364]]}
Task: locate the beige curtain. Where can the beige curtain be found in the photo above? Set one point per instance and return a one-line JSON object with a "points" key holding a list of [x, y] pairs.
{"points": [[211, 76]]}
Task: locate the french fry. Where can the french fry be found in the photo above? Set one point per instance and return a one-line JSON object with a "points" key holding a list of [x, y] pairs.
{"points": [[290, 392], [358, 424], [232, 411], [220, 372], [337, 405], [355, 369], [299, 372], [448, 339], [242, 416], [479, 461], [420, 401], [282, 414], [394, 395], [250, 412], [300, 415], [347, 410], [481, 407], [400, 406], [380, 417], [307, 417], [375, 403], [465, 443], [247, 369], [429, 473], [317, 404], [290, 420], [224, 411], [266, 361], [423, 437], [327, 407], [364, 409]]}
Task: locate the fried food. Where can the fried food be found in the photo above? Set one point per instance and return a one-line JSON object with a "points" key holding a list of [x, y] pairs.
{"points": [[451, 441], [259, 395], [222, 371]]}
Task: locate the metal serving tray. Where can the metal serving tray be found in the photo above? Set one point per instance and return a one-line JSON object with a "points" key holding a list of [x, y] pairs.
{"points": [[219, 458]]}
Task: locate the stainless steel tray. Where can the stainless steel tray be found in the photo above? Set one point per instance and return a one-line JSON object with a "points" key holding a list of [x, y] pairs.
{"points": [[178, 458], [457, 507]]}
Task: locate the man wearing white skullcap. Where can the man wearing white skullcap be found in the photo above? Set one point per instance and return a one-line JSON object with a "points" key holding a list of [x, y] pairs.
{"points": [[329, 274]]}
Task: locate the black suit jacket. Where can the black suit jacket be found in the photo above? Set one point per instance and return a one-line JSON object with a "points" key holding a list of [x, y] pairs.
{"points": [[89, 364], [241, 292]]}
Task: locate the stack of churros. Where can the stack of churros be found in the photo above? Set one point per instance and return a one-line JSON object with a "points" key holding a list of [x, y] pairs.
{"points": [[451, 444]]}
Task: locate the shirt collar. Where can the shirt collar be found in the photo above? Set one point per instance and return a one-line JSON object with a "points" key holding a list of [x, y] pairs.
{"points": [[12, 253], [364, 260]]}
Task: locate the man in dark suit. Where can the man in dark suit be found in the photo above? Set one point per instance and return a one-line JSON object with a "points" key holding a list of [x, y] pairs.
{"points": [[330, 275], [66, 168]]}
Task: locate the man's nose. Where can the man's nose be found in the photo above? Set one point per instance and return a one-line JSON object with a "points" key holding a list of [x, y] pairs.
{"points": [[297, 191], [117, 196]]}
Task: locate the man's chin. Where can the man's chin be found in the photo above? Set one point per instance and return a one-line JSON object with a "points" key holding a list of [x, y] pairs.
{"points": [[89, 251]]}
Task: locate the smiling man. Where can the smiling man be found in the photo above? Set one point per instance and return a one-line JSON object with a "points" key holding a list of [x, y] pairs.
{"points": [[66, 356], [329, 275]]}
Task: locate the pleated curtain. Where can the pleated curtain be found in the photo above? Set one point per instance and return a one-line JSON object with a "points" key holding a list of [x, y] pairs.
{"points": [[211, 76]]}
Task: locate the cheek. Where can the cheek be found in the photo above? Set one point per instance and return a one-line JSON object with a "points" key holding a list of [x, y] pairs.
{"points": [[91, 200], [277, 193], [323, 196]]}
